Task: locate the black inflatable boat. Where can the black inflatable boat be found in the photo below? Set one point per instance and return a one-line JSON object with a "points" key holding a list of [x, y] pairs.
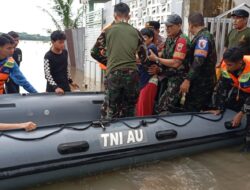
{"points": [[72, 141]]}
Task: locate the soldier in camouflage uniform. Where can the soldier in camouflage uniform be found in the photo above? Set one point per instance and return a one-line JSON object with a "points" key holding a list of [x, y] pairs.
{"points": [[201, 78], [174, 65], [233, 88], [98, 52], [117, 47]]}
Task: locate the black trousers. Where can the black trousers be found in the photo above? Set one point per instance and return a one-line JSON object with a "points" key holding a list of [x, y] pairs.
{"points": [[11, 87]]}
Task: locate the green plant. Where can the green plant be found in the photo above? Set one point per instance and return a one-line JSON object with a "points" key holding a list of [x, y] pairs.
{"points": [[63, 10]]}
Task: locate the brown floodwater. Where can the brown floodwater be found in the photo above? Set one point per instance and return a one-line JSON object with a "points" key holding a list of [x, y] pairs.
{"points": [[224, 169]]}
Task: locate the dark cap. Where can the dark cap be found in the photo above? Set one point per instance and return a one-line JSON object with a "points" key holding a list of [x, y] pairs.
{"points": [[153, 24], [173, 19], [240, 13]]}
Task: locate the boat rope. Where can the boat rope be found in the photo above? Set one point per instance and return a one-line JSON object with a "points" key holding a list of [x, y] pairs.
{"points": [[209, 119], [142, 123], [178, 125], [103, 123], [62, 127]]}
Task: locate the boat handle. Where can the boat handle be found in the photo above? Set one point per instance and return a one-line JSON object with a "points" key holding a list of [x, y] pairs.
{"points": [[73, 147], [7, 105], [228, 125], [97, 101], [167, 134]]}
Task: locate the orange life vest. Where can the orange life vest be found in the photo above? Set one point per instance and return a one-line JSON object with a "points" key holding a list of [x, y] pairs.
{"points": [[102, 66], [243, 81], [4, 72]]}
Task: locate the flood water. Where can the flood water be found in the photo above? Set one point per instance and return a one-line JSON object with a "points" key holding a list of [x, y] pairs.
{"points": [[32, 64], [224, 169]]}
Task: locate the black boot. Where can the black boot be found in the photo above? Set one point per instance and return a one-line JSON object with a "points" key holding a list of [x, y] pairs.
{"points": [[246, 147]]}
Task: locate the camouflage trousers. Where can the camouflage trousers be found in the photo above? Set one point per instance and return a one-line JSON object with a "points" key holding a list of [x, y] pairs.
{"points": [[170, 99], [121, 94], [199, 97]]}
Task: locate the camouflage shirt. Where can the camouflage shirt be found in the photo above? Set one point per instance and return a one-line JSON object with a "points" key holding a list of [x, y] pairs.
{"points": [[176, 48], [98, 52], [117, 46], [203, 58]]}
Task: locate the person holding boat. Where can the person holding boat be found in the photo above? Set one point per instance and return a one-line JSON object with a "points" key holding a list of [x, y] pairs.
{"points": [[27, 126], [201, 78], [174, 65], [233, 88], [120, 42], [8, 66], [10, 86], [56, 69]]}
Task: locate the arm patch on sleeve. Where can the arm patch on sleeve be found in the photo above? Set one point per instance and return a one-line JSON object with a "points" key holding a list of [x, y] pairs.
{"points": [[201, 48], [180, 49]]}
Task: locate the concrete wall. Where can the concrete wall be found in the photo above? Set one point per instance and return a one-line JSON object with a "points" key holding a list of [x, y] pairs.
{"points": [[108, 13], [79, 44], [92, 72], [75, 46]]}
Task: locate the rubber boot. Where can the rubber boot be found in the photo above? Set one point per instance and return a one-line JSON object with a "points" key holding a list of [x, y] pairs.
{"points": [[246, 147]]}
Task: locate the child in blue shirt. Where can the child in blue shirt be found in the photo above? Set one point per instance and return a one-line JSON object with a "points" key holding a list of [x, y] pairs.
{"points": [[148, 82]]}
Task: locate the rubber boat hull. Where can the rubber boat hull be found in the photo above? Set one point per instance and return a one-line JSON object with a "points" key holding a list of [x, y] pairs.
{"points": [[72, 141]]}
